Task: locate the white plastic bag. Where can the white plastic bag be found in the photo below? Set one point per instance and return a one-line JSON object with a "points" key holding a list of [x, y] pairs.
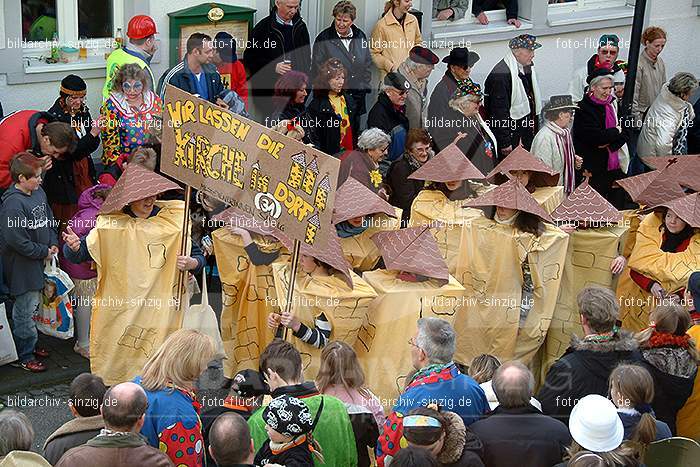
{"points": [[202, 318], [55, 315], [8, 351]]}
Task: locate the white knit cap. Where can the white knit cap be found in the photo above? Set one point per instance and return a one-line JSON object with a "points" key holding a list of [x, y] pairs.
{"points": [[619, 77], [595, 425]]}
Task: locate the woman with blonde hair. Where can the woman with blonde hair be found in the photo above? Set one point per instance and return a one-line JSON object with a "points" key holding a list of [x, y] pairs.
{"points": [[671, 357], [394, 35], [341, 376], [172, 421]]}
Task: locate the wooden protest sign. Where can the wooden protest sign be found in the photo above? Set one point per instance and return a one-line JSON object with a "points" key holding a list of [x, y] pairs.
{"points": [[261, 172]]}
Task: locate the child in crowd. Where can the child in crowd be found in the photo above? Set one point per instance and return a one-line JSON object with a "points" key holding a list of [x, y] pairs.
{"points": [[28, 237]]}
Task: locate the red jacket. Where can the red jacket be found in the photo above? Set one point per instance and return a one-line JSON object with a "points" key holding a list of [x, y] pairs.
{"points": [[17, 134], [233, 77]]}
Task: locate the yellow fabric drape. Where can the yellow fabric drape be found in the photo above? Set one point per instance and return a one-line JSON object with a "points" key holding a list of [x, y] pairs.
{"points": [[134, 309], [688, 418], [382, 348], [345, 308], [360, 251], [549, 197], [248, 297], [670, 270], [588, 259], [489, 267]]}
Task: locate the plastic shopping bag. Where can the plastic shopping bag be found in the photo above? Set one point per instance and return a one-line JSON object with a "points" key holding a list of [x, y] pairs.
{"points": [[8, 351], [202, 318], [55, 315]]}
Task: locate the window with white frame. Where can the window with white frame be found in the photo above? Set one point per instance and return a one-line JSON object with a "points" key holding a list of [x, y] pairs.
{"points": [[565, 6], [495, 10]]}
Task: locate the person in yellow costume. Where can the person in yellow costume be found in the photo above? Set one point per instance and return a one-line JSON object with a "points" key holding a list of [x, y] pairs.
{"points": [[450, 179], [539, 179], [665, 253], [510, 263], [358, 214], [330, 301], [135, 245], [245, 249], [688, 418]]}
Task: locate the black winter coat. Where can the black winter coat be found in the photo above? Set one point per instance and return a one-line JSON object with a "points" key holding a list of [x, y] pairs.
{"points": [[59, 182], [584, 369], [522, 437], [473, 145], [497, 90], [366, 432], [323, 124], [384, 116], [440, 98], [267, 48], [403, 189], [357, 61]]}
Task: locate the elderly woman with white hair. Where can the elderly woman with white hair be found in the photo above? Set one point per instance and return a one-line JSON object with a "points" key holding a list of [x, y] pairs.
{"points": [[665, 127], [598, 139], [479, 143], [363, 163], [16, 438]]}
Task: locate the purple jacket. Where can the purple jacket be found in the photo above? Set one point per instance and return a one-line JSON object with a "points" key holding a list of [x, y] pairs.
{"points": [[82, 223]]}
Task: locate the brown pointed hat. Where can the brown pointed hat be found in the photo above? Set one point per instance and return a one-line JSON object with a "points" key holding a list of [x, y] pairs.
{"points": [[522, 159], [585, 204], [353, 199], [331, 254], [237, 218], [137, 182], [652, 188], [686, 169], [511, 195], [449, 165], [412, 250], [687, 208]]}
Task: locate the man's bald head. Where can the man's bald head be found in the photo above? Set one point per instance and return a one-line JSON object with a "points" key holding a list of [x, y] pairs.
{"points": [[513, 384], [229, 440], [123, 406]]}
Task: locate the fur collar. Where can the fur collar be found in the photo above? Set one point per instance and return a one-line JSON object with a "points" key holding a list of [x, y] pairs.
{"points": [[624, 343], [455, 438]]}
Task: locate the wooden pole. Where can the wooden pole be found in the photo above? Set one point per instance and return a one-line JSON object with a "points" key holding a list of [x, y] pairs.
{"points": [[182, 275], [281, 331]]}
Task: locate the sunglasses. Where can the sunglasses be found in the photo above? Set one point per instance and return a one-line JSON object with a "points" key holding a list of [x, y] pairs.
{"points": [[137, 86]]}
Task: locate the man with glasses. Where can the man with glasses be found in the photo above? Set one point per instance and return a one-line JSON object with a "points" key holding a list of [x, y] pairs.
{"points": [[605, 58], [389, 115], [459, 62]]}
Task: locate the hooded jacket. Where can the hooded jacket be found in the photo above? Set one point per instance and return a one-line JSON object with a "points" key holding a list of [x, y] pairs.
{"points": [[27, 231], [18, 133], [462, 448], [584, 369], [75, 432], [673, 370]]}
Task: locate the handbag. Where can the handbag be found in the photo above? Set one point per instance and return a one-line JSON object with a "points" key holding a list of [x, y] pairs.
{"points": [[203, 319], [8, 351], [55, 315]]}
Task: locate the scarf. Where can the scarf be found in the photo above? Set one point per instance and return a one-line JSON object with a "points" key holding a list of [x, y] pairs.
{"points": [[519, 103], [666, 339], [345, 230], [565, 146], [424, 372], [671, 241], [610, 122]]}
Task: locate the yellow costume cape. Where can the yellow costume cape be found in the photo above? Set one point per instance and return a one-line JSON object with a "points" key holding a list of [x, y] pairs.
{"points": [[248, 297], [382, 348], [671, 270], [360, 250], [134, 309], [688, 418]]}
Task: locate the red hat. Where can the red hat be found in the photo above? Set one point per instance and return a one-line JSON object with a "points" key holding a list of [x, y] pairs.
{"points": [[652, 188], [687, 208], [137, 182], [353, 199], [585, 204], [412, 250], [522, 159], [140, 27], [236, 218], [331, 254], [449, 165], [511, 195]]}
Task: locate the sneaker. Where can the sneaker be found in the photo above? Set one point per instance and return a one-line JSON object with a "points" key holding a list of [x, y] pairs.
{"points": [[41, 353], [34, 366]]}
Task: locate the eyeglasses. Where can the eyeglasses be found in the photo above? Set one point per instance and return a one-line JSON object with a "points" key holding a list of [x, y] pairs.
{"points": [[412, 342], [137, 86]]}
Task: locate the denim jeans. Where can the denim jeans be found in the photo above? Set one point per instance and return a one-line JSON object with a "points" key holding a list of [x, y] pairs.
{"points": [[23, 326]]}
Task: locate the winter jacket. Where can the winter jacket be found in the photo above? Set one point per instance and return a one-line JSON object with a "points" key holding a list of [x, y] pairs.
{"points": [[121, 57], [391, 42], [357, 61], [673, 370], [324, 131], [181, 77], [521, 436], [497, 99], [233, 77], [172, 424], [126, 449], [631, 418], [403, 189], [296, 456], [459, 7], [416, 98], [661, 124], [75, 172], [27, 231], [546, 149], [75, 432], [267, 48], [333, 432], [358, 165], [440, 98], [454, 391], [461, 448], [584, 369], [386, 117], [18, 133], [578, 85], [474, 145], [651, 76]]}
